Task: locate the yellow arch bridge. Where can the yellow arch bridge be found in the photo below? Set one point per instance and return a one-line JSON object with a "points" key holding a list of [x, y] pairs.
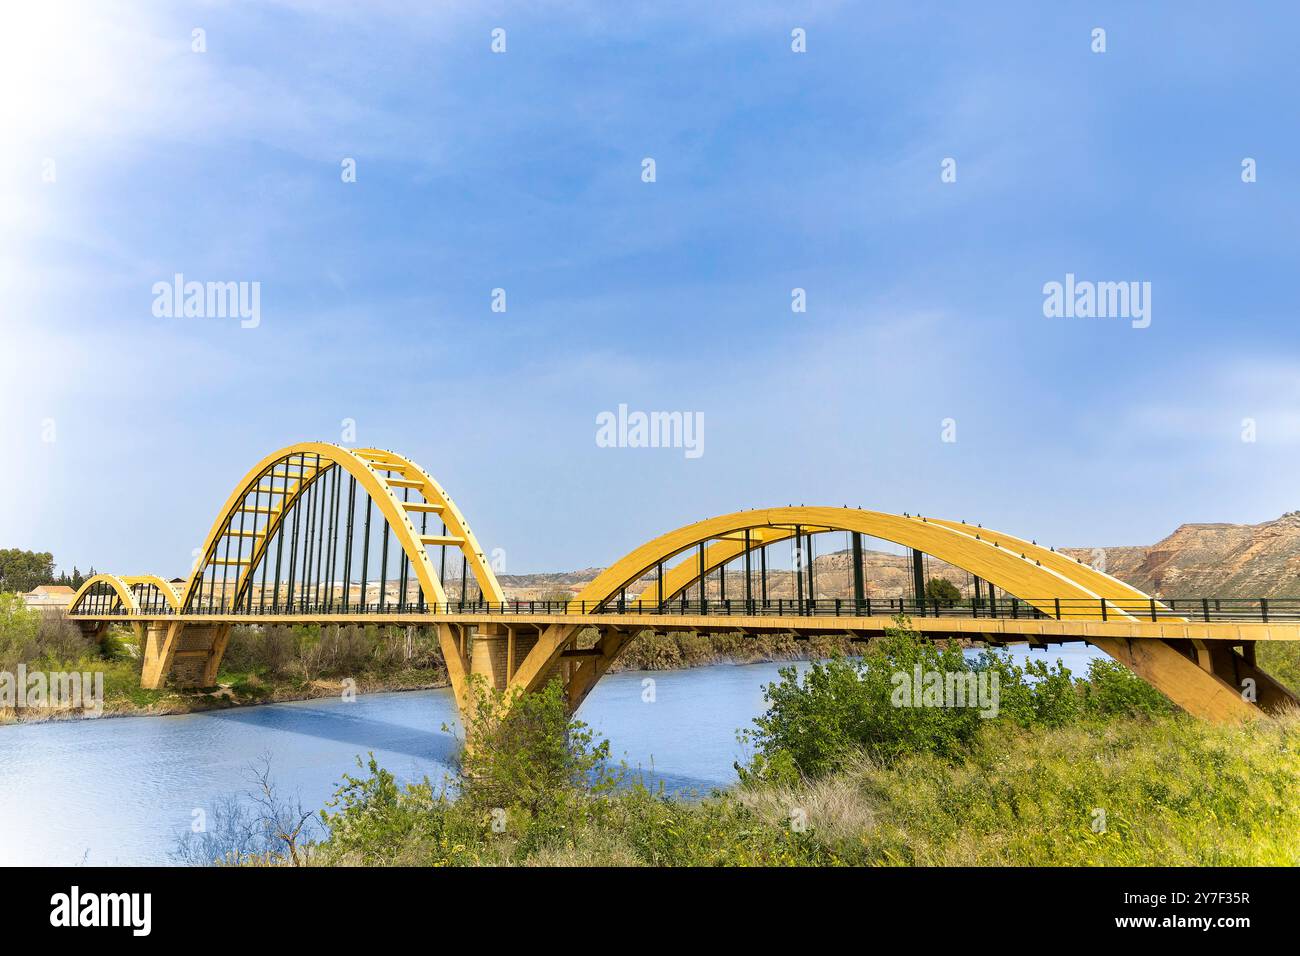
{"points": [[320, 533]]}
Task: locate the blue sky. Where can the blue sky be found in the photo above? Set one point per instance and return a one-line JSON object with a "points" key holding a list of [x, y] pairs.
{"points": [[775, 170]]}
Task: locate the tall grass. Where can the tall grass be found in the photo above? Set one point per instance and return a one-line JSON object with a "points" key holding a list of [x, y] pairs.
{"points": [[1129, 792]]}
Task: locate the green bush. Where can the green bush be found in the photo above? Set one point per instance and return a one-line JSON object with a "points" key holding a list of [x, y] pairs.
{"points": [[845, 707], [525, 752], [1281, 660], [531, 773], [1033, 694], [29, 636], [941, 591], [1112, 690]]}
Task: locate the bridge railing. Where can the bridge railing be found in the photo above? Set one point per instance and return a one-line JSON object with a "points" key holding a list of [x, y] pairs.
{"points": [[1206, 609]]}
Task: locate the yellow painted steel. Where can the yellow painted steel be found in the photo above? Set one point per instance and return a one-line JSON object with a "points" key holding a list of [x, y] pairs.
{"points": [[296, 467], [124, 587], [370, 466], [1004, 567], [457, 527], [1036, 575], [118, 583]]}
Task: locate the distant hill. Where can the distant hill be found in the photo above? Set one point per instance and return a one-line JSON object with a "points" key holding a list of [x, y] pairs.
{"points": [[1224, 560]]}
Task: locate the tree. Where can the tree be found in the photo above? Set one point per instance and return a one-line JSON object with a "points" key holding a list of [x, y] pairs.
{"points": [[942, 591], [20, 571]]}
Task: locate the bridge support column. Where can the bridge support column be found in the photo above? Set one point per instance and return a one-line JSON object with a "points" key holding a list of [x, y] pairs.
{"points": [[1239, 670], [588, 670], [158, 647], [187, 654], [497, 651], [1187, 681], [487, 655]]}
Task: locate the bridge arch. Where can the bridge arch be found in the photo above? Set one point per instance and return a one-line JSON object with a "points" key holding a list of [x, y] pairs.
{"points": [[1037, 576], [1017, 568], [134, 594], [297, 496]]}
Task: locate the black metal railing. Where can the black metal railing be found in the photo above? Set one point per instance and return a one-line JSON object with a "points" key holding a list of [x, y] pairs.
{"points": [[1205, 609]]}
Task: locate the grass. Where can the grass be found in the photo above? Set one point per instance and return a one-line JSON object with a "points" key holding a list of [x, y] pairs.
{"points": [[1168, 792], [1124, 786], [1174, 791], [1281, 660]]}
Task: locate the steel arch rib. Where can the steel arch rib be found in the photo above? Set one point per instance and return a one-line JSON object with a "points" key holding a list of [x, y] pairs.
{"points": [[368, 466], [1009, 563], [165, 588], [457, 526], [1002, 567], [118, 583], [361, 465], [1103, 584], [225, 517]]}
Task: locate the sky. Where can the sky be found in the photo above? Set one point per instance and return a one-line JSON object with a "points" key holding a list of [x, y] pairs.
{"points": [[924, 375]]}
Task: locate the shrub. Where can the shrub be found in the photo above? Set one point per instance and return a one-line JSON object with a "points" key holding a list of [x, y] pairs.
{"points": [[843, 707], [19, 627], [525, 751], [1112, 690], [942, 591], [1035, 693]]}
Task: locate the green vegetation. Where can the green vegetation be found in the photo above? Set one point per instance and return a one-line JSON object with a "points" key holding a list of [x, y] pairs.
{"points": [[942, 591], [260, 664], [1281, 660], [1069, 772], [844, 710], [278, 661], [263, 664], [653, 651], [22, 571], [52, 643]]}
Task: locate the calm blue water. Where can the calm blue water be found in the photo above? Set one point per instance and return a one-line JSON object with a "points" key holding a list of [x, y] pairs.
{"points": [[119, 791]]}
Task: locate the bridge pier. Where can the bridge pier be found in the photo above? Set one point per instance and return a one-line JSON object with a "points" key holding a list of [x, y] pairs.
{"points": [[497, 650], [1205, 678], [188, 654]]}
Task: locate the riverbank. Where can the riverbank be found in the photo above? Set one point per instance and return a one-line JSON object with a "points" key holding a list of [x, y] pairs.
{"points": [[1128, 792], [1094, 771], [276, 665]]}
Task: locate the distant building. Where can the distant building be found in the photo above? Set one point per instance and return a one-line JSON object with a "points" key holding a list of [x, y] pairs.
{"points": [[49, 597]]}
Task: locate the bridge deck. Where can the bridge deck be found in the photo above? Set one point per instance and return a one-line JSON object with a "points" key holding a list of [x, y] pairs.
{"points": [[997, 630]]}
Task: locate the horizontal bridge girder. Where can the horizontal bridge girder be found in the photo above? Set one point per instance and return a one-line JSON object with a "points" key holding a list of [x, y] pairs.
{"points": [[426, 506], [998, 630], [404, 483]]}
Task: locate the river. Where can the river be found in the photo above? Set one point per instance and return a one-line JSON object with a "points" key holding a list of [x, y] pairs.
{"points": [[121, 791]]}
